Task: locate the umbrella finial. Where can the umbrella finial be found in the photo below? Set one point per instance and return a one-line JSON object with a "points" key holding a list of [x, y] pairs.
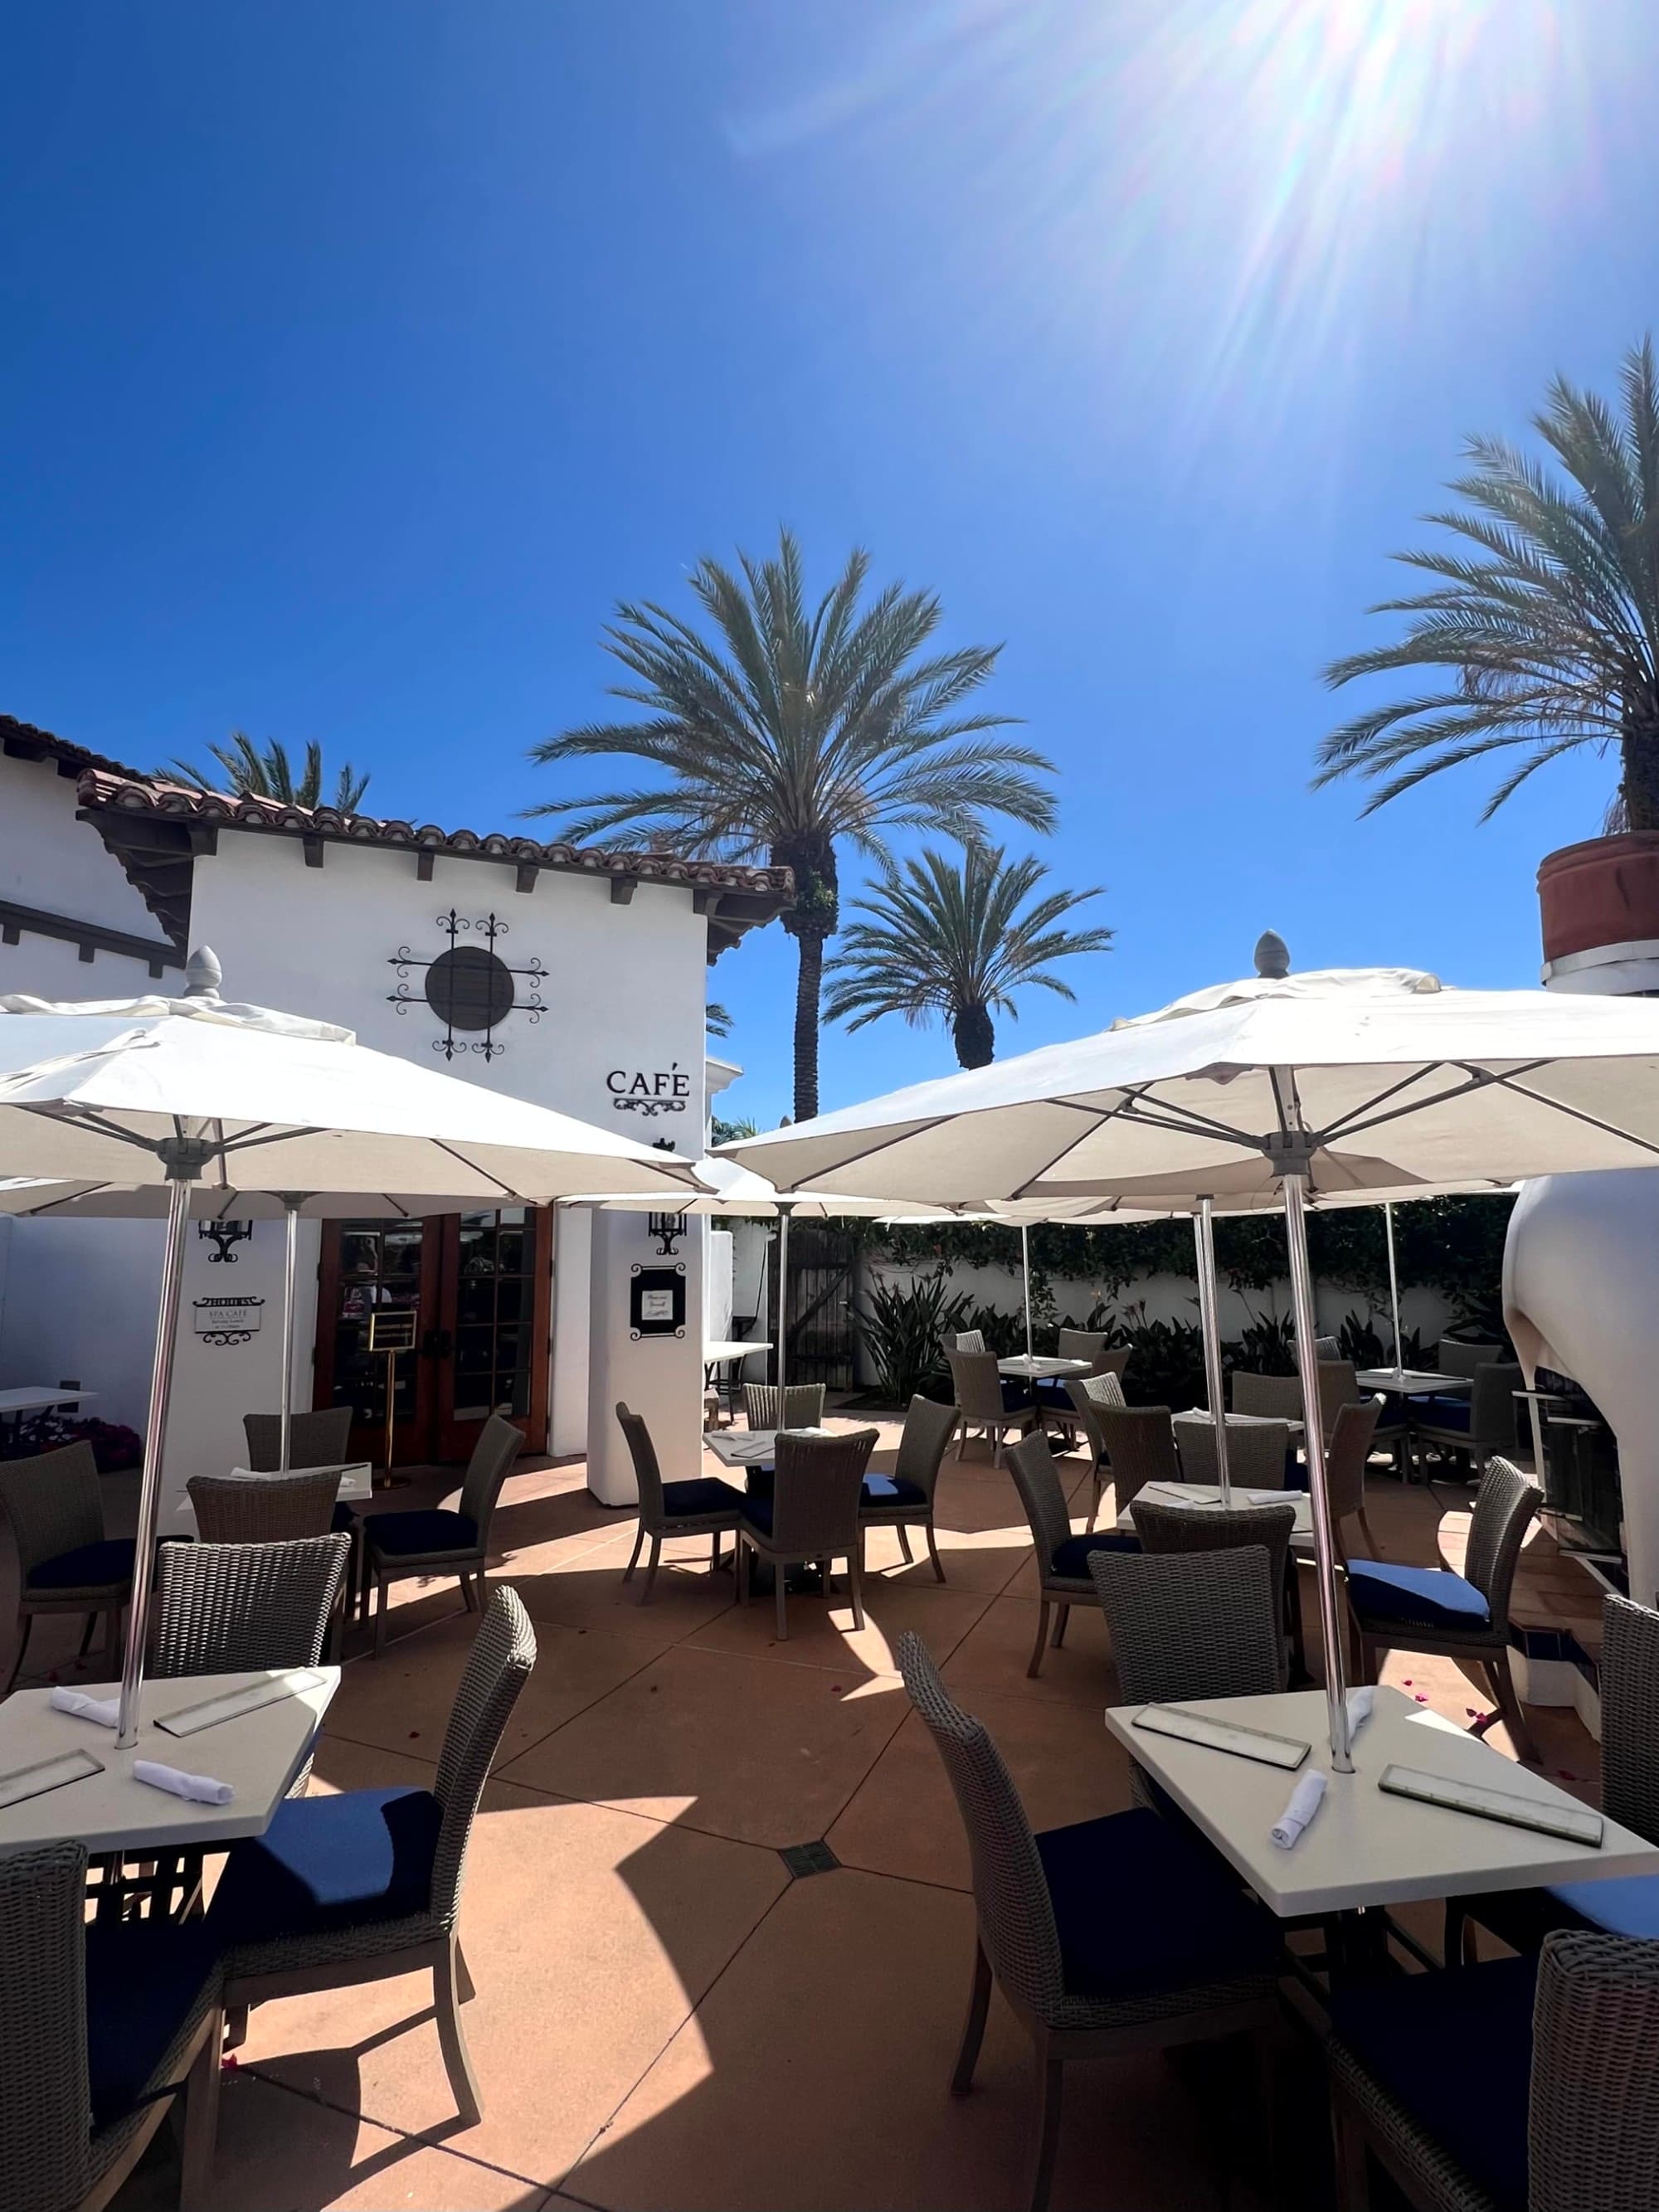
{"points": [[1272, 956], [203, 974]]}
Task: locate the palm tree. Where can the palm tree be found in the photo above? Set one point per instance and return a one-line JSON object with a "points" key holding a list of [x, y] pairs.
{"points": [[947, 938], [269, 773], [1551, 635], [786, 730]]}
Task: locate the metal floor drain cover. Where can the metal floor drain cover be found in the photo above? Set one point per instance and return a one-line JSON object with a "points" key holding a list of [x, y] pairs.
{"points": [[809, 1859]]}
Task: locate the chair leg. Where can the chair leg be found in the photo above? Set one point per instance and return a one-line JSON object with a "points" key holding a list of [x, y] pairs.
{"points": [[1372, 1544], [457, 2064], [463, 1982], [380, 1614], [742, 1572], [855, 1580], [1097, 1487], [27, 1621], [779, 1573], [651, 1569], [1454, 1944], [86, 1634], [1035, 1666], [1059, 1625], [634, 1556], [113, 1637], [201, 2120], [904, 1545], [933, 1551], [1354, 2180], [235, 2025], [973, 2032], [468, 1595], [1502, 1683], [1051, 2076], [714, 1553]]}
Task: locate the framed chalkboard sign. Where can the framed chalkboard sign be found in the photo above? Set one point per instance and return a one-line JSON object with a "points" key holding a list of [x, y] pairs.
{"points": [[392, 1328], [656, 1302]]}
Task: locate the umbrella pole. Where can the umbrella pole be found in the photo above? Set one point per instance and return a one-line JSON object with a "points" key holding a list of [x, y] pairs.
{"points": [[1210, 1322], [1394, 1287], [1295, 1188], [292, 1201], [1025, 1273], [150, 1491], [784, 1213]]}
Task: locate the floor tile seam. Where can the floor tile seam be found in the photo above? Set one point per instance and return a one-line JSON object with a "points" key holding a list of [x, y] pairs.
{"points": [[773, 1658], [426, 2142], [598, 1698], [633, 1813]]}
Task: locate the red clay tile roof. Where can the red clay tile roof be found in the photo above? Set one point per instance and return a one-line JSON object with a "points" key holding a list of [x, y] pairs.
{"points": [[22, 741]]}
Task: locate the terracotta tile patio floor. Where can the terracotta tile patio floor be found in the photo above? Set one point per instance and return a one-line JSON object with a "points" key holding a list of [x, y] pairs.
{"points": [[665, 2019]]}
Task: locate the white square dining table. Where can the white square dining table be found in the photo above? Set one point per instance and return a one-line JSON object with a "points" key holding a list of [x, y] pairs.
{"points": [[1364, 1846], [1039, 1368], [1412, 1382], [1209, 1493], [259, 1753]]}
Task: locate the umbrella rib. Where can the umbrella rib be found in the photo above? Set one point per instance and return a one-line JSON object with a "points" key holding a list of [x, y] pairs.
{"points": [[1478, 1079], [1576, 1113], [903, 1136], [506, 1188], [1344, 1122]]}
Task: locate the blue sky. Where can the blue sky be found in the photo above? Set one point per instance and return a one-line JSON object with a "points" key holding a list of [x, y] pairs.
{"points": [[357, 358]]}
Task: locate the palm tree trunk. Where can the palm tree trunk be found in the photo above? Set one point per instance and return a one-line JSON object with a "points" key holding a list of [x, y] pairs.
{"points": [[809, 985], [977, 1040], [1640, 748]]}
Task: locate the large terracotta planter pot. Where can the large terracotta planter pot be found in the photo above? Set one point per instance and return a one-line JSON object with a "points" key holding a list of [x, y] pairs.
{"points": [[1598, 903]]}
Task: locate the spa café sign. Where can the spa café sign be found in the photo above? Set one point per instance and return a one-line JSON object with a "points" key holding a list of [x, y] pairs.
{"points": [[649, 1092]]}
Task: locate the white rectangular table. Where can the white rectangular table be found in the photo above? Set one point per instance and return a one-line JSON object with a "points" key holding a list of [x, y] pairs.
{"points": [[1040, 1369], [744, 1448], [1294, 1429], [1365, 1847], [1412, 1382], [1209, 1493], [35, 1397], [259, 1753]]}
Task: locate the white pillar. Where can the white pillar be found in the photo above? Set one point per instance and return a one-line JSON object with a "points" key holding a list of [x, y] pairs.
{"points": [[659, 1376]]}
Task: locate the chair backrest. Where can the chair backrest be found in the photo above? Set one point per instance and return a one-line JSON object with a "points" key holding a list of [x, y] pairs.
{"points": [[1192, 1528], [1338, 1386], [265, 1509], [54, 1502], [978, 1385], [1088, 1393], [1350, 1447], [319, 1438], [815, 1493], [1630, 1699], [1593, 2128], [801, 1407], [1454, 1358], [971, 1339], [1037, 1480], [223, 1608], [928, 1429], [1088, 1344], [1011, 1893], [1139, 1444], [1277, 1397], [1325, 1347], [498, 1667], [1493, 1408], [1186, 1626], [647, 1475], [45, 2097], [1504, 1508], [1256, 1451], [499, 1442]]}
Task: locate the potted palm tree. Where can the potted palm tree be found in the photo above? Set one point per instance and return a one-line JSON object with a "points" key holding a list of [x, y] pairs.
{"points": [[1542, 628]]}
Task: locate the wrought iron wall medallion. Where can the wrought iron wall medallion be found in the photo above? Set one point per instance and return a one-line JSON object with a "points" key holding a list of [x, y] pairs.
{"points": [[469, 987]]}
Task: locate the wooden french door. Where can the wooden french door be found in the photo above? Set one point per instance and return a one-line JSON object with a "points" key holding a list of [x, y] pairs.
{"points": [[479, 1285]]}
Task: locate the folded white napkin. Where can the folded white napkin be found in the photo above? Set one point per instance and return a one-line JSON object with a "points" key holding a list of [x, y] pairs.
{"points": [[1360, 1703], [106, 1711], [201, 1788], [1305, 1803]]}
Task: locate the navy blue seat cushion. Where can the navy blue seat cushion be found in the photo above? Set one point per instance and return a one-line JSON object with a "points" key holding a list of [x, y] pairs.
{"points": [[1051, 1394], [408, 1535], [1627, 1904], [1431, 1595], [757, 1509], [329, 1862], [693, 1500], [88, 1566], [1455, 2050], [143, 1978], [1189, 1923], [1441, 1412], [1016, 1395], [881, 1491], [1072, 1558]]}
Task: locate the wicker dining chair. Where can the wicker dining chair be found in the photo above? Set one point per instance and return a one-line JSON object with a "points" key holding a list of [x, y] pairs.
{"points": [[1256, 1451], [319, 1438], [1520, 2086], [1058, 1398], [1628, 1904], [1348, 1455], [990, 1402], [441, 1540], [1062, 1558], [1271, 1397], [1138, 1442], [1088, 1393], [65, 1562], [702, 1505], [265, 1509], [1453, 1356], [1188, 1959], [1191, 1624], [1482, 1425], [812, 1513], [1190, 1529], [969, 1340], [1467, 1616], [227, 1608], [100, 2023], [366, 1884], [801, 1406], [904, 1499]]}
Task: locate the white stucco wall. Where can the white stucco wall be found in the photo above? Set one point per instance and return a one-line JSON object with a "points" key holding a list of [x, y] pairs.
{"points": [[51, 861]]}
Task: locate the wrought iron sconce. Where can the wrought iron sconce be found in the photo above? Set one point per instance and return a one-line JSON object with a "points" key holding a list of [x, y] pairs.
{"points": [[667, 1229], [224, 1234]]}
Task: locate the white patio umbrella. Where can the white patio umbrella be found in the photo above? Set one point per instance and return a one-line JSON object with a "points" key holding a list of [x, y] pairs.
{"points": [[184, 1092], [1377, 1080]]}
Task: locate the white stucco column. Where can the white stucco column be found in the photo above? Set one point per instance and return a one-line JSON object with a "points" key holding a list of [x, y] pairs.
{"points": [[659, 1376]]}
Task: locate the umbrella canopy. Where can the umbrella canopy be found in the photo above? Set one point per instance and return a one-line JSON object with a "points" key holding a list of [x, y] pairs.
{"points": [[739, 1193], [28, 1198], [1362, 1080]]}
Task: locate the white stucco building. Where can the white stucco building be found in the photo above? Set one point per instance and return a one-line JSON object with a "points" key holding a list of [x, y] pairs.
{"points": [[575, 978]]}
